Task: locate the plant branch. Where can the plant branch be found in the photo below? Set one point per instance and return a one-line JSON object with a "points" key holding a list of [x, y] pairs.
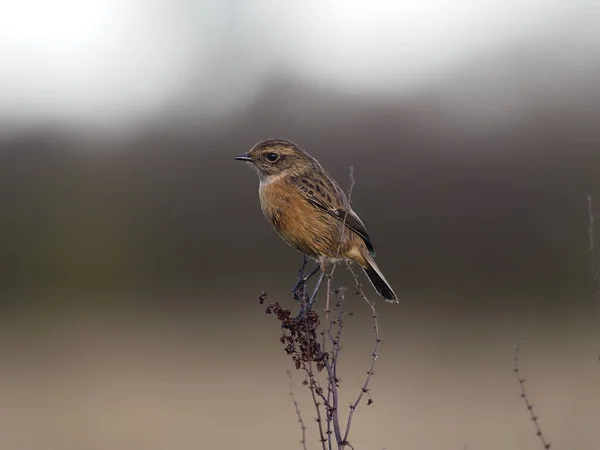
{"points": [[523, 394], [297, 408], [313, 387], [374, 354]]}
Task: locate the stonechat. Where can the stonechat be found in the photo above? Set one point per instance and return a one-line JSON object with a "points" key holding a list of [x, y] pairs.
{"points": [[310, 211]]}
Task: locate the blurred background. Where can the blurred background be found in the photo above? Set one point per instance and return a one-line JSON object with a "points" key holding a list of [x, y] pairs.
{"points": [[134, 250]]}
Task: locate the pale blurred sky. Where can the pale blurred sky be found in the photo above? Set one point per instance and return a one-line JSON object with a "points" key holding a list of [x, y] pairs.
{"points": [[116, 63]]}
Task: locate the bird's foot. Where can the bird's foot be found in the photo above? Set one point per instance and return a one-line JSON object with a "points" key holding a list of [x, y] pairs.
{"points": [[299, 291]]}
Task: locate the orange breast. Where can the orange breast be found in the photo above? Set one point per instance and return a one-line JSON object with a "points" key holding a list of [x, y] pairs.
{"points": [[304, 226]]}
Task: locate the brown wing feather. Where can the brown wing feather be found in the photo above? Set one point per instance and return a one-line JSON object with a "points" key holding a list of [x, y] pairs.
{"points": [[324, 193]]}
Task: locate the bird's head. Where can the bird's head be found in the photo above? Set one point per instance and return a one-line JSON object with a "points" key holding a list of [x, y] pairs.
{"points": [[273, 157]]}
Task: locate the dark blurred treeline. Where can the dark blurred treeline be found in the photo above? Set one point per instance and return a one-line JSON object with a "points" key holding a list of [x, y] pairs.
{"points": [[449, 207]]}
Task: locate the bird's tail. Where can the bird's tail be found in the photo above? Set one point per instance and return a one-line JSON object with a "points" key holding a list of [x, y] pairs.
{"points": [[377, 279]]}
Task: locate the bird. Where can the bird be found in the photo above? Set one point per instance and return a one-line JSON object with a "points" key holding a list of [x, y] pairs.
{"points": [[310, 211]]}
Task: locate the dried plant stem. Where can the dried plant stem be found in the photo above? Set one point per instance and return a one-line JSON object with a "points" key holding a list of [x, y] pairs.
{"points": [[343, 231], [297, 408], [315, 390], [313, 386], [523, 394], [333, 409], [330, 397], [328, 311], [331, 366], [374, 354], [331, 361]]}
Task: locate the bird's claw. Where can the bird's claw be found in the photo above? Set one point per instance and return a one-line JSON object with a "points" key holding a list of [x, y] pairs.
{"points": [[299, 291]]}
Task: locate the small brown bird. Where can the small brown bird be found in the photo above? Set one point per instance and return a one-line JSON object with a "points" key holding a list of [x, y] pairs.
{"points": [[310, 211]]}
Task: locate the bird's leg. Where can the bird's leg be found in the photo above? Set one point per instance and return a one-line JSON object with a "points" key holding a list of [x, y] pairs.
{"points": [[317, 287], [303, 266], [298, 289], [308, 302], [306, 307]]}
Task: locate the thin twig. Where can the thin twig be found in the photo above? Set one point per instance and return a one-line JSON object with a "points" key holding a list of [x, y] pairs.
{"points": [[323, 345], [331, 365], [352, 183], [328, 307], [337, 339], [297, 408], [374, 354], [312, 383], [339, 249], [313, 386], [523, 394], [333, 410], [330, 362], [332, 369]]}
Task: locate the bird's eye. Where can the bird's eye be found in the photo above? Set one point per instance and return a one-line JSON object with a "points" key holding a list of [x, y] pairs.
{"points": [[272, 157]]}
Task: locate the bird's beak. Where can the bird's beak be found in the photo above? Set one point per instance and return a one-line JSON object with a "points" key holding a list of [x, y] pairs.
{"points": [[243, 157]]}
